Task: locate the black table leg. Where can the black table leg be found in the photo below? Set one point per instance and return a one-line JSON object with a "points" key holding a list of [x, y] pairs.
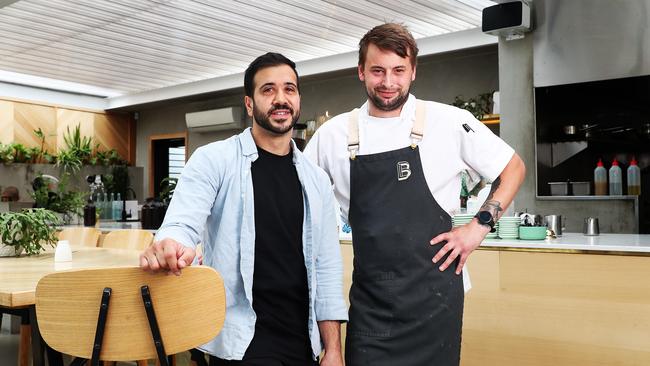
{"points": [[38, 358]]}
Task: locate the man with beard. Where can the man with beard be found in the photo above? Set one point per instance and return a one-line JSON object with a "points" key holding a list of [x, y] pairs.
{"points": [[396, 164], [265, 215]]}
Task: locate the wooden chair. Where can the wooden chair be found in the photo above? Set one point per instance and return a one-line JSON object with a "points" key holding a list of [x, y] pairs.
{"points": [[80, 236], [128, 239], [189, 311]]}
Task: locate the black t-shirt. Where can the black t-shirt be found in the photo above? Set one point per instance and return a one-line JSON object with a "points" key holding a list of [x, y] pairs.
{"points": [[280, 292]]}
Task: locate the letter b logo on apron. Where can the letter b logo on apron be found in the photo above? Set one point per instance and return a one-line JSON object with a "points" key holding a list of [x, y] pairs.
{"points": [[403, 170]]}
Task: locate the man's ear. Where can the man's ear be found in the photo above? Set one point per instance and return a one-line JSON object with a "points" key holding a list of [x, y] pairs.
{"points": [[415, 68], [360, 71], [248, 101]]}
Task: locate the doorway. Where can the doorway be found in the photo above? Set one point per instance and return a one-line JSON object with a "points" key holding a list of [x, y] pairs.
{"points": [[167, 157]]}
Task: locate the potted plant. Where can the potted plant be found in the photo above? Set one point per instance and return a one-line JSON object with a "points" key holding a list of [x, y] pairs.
{"points": [[28, 230], [167, 185], [68, 203], [479, 106]]}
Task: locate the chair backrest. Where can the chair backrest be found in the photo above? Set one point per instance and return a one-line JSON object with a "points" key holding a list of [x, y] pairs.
{"points": [[80, 236], [190, 310], [128, 239]]}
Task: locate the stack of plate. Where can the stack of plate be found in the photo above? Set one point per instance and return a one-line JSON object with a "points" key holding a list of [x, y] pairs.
{"points": [[509, 227], [462, 219]]}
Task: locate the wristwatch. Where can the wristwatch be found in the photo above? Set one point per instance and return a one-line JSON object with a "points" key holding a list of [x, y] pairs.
{"points": [[485, 218]]}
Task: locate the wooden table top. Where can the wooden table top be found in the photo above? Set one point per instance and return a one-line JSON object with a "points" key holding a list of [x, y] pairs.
{"points": [[19, 275]]}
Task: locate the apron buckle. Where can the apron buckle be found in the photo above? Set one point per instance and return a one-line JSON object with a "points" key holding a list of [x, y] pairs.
{"points": [[353, 148]]}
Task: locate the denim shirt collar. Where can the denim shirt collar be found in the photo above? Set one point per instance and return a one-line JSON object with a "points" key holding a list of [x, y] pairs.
{"points": [[249, 148]]}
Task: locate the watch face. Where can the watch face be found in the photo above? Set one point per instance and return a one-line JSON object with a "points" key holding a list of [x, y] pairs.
{"points": [[484, 216]]}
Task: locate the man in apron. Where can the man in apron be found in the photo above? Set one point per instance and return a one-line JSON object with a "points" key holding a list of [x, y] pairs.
{"points": [[396, 164]]}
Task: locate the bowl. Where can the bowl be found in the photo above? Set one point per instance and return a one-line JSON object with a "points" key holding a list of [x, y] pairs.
{"points": [[532, 232]]}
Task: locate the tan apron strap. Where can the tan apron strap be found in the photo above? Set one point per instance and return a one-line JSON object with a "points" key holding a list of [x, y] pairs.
{"points": [[417, 132], [353, 133]]}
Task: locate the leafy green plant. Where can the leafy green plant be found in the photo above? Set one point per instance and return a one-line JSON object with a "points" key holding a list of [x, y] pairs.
{"points": [[69, 161], [79, 151], [21, 153], [479, 106], [118, 180], [167, 185], [114, 158], [80, 146], [6, 154], [29, 229], [38, 153], [64, 201], [99, 157]]}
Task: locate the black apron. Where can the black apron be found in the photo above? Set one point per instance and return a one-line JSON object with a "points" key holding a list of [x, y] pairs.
{"points": [[403, 310]]}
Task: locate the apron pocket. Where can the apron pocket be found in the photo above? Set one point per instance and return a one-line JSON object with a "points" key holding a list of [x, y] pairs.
{"points": [[372, 304]]}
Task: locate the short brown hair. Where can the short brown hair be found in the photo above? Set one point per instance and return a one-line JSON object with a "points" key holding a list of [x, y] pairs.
{"points": [[389, 37]]}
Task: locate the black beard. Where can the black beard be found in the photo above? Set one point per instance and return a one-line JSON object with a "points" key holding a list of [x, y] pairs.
{"points": [[391, 106], [263, 119]]}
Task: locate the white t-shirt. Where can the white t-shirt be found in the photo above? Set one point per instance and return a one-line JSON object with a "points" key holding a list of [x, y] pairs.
{"points": [[446, 149]]}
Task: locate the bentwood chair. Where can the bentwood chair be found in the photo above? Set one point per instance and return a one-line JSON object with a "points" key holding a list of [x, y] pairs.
{"points": [[128, 239], [80, 236], [122, 314]]}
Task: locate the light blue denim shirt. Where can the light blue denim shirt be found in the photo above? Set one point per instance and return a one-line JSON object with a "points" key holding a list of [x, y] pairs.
{"points": [[213, 204]]}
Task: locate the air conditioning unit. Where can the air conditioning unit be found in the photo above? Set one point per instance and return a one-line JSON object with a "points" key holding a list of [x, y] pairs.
{"points": [[222, 119]]}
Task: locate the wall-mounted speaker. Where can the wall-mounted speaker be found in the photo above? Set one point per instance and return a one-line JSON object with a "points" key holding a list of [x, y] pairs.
{"points": [[506, 19]]}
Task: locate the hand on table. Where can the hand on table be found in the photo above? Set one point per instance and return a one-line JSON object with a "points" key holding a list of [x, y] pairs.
{"points": [[461, 241], [166, 255]]}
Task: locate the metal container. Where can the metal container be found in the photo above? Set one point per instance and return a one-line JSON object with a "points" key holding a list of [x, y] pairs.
{"points": [[590, 227], [559, 188], [554, 223], [581, 188]]}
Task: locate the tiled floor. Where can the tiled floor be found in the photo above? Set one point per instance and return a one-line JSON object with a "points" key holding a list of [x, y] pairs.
{"points": [[9, 348]]}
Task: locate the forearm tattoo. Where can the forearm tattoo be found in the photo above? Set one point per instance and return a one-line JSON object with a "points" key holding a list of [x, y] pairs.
{"points": [[491, 205]]}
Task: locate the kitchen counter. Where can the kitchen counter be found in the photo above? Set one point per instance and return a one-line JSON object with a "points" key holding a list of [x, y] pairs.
{"points": [[630, 244], [614, 244], [573, 300], [108, 226]]}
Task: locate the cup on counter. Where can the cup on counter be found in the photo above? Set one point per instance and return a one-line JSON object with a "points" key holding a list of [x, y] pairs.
{"points": [[590, 227], [554, 223]]}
